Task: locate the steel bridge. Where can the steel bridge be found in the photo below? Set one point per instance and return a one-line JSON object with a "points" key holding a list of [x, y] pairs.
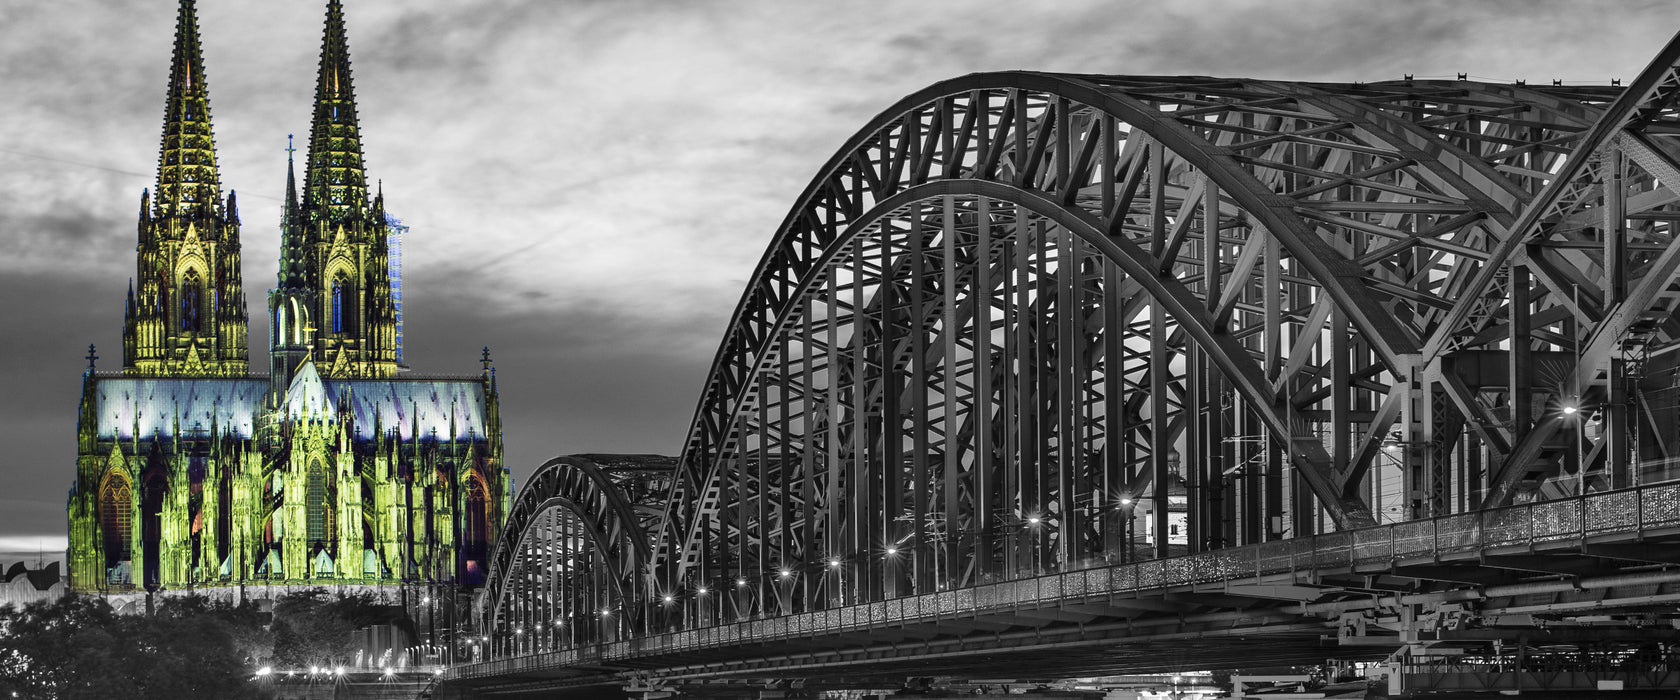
{"points": [[1068, 375]]}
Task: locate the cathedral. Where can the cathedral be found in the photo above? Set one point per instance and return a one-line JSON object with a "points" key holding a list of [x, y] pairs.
{"points": [[337, 466]]}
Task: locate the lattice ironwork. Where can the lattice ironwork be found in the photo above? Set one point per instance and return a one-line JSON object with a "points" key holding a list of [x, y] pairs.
{"points": [[1025, 323]]}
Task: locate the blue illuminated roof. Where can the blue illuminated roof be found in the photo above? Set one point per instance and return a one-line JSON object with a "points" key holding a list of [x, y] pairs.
{"points": [[232, 405], [154, 405]]}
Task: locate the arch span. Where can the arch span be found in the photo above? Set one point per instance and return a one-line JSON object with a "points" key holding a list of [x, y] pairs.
{"points": [[569, 519], [1301, 366], [1022, 323]]}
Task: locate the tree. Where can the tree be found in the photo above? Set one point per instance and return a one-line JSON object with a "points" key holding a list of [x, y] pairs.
{"points": [[312, 629], [66, 648], [78, 647]]}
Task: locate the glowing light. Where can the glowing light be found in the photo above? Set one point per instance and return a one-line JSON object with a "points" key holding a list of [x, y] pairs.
{"points": [[701, 590], [1032, 520], [1392, 447], [605, 612], [785, 573], [314, 669], [740, 583], [892, 551], [1126, 500], [669, 599], [261, 672], [834, 563], [1569, 410], [339, 671]]}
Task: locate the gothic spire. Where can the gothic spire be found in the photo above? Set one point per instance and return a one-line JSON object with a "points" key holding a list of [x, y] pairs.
{"points": [[293, 265], [335, 180], [188, 185]]}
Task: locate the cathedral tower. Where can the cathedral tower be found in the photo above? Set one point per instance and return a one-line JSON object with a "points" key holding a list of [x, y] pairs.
{"points": [[195, 475], [333, 300], [185, 314]]}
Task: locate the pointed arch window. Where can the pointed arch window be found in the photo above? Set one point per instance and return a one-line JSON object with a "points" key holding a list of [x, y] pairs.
{"points": [[154, 488], [319, 507], [191, 291], [338, 290], [477, 528], [116, 518]]}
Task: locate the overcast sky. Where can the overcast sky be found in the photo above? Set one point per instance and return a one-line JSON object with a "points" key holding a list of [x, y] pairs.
{"points": [[589, 182]]}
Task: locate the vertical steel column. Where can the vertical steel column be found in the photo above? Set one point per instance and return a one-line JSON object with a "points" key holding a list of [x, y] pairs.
{"points": [[836, 544], [1068, 462], [892, 379], [858, 485], [1117, 486], [922, 556], [1273, 335], [1193, 458], [762, 493], [1612, 165], [812, 548], [1159, 424], [951, 448], [784, 483], [1519, 385], [984, 463], [1036, 348], [1616, 422], [1009, 501], [1213, 493]]}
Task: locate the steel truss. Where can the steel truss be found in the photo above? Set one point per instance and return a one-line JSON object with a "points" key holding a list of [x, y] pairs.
{"points": [[1026, 322]]}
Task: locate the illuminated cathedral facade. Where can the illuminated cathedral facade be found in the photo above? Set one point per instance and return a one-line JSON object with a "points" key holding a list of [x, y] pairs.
{"points": [[337, 466]]}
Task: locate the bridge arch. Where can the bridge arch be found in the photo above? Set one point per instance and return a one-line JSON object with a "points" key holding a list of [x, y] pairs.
{"points": [[572, 544], [1375, 218], [1043, 326]]}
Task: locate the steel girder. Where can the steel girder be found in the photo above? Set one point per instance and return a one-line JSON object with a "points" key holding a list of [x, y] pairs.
{"points": [[572, 546], [1352, 221]]}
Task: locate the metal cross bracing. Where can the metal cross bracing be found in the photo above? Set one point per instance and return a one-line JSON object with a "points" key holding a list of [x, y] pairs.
{"points": [[572, 548], [1024, 323]]}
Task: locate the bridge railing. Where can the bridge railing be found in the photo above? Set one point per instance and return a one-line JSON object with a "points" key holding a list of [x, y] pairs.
{"points": [[1630, 511]]}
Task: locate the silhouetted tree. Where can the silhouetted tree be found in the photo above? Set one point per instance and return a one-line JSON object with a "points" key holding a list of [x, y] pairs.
{"points": [[78, 647]]}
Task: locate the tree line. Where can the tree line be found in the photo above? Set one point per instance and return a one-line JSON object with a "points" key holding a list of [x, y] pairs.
{"points": [[190, 647]]}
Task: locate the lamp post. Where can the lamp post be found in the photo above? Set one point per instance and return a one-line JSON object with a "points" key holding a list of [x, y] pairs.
{"points": [[1128, 517]]}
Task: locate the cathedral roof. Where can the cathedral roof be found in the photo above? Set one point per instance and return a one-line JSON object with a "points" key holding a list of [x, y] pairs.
{"points": [[307, 396], [122, 404], [233, 405]]}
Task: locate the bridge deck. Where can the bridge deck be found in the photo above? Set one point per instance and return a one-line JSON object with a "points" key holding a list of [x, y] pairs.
{"points": [[1278, 603]]}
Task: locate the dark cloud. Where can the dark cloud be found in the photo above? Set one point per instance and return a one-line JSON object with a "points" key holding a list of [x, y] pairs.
{"points": [[590, 183]]}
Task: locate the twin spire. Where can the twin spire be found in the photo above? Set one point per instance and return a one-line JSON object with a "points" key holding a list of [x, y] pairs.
{"points": [[188, 184], [335, 179], [188, 302]]}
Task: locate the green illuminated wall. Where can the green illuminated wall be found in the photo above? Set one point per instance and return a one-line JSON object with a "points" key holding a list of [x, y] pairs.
{"points": [[333, 468]]}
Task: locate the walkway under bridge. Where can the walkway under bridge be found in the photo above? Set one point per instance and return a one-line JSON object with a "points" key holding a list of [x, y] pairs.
{"points": [[1049, 375]]}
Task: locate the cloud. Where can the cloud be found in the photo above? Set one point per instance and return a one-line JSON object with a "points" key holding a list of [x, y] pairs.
{"points": [[30, 548], [590, 183]]}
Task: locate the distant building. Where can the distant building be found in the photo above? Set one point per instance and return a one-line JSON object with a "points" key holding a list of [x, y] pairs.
{"points": [[21, 585], [332, 468]]}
